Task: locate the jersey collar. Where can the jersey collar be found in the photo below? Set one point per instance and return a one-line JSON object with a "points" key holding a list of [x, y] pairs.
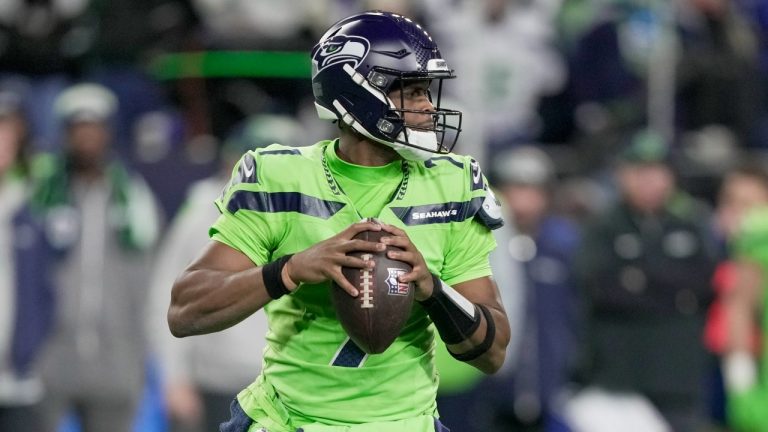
{"points": [[359, 173]]}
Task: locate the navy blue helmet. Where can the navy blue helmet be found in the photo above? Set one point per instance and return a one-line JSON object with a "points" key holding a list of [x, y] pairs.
{"points": [[360, 60]]}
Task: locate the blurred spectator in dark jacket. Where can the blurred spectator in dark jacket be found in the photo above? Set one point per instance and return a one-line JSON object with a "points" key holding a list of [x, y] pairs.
{"points": [[678, 65], [544, 245], [607, 46], [645, 268], [103, 222], [26, 292], [756, 12], [718, 80]]}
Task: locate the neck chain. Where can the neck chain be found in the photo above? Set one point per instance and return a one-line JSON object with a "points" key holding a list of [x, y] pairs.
{"points": [[337, 190]]}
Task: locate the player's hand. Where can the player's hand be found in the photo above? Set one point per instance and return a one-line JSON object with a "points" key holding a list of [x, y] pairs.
{"points": [[323, 261], [420, 274]]}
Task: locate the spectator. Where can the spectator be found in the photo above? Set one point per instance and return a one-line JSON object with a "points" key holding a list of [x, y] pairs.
{"points": [[687, 64], [645, 267], [544, 245], [507, 60], [26, 300], [718, 75], [466, 400], [262, 24], [44, 37], [201, 374], [103, 222]]}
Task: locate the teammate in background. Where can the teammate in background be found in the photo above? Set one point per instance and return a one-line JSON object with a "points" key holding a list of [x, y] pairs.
{"points": [[103, 221], [288, 217], [200, 375], [26, 291], [745, 364]]}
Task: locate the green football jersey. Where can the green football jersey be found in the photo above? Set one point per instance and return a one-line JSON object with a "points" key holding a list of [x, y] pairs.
{"points": [[747, 410], [282, 200], [751, 241]]}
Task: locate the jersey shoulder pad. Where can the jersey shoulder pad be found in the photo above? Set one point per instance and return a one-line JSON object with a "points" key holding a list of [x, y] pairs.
{"points": [[267, 165], [489, 210], [475, 188], [489, 213], [452, 164], [278, 150]]}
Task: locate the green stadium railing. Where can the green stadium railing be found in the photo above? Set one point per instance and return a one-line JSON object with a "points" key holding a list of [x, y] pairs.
{"points": [[228, 64]]}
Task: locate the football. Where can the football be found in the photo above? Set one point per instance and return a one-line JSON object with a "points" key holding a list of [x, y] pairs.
{"points": [[374, 318]]}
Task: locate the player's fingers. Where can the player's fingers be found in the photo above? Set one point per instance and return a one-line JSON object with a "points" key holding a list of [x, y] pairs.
{"points": [[355, 262], [408, 277], [342, 282], [358, 245], [401, 242], [357, 228], [393, 230], [404, 256]]}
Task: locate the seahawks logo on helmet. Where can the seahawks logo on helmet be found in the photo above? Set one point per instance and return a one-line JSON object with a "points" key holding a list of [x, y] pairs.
{"points": [[341, 49]]}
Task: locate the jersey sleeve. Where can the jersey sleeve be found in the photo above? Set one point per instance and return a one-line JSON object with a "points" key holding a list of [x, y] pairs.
{"points": [[468, 254], [238, 227], [751, 242], [471, 241]]}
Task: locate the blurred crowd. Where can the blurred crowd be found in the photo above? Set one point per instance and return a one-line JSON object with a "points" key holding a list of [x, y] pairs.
{"points": [[626, 139]]}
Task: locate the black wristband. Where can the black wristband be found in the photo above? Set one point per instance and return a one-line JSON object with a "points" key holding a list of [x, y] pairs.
{"points": [[273, 279], [485, 345], [437, 289], [453, 322]]}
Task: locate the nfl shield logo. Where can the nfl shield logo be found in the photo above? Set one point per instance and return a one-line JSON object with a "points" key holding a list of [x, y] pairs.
{"points": [[395, 286]]}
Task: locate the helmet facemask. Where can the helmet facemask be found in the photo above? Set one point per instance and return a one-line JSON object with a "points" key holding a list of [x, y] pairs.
{"points": [[441, 134], [415, 141]]}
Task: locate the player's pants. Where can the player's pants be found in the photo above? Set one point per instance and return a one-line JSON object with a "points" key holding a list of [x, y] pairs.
{"points": [[272, 416]]}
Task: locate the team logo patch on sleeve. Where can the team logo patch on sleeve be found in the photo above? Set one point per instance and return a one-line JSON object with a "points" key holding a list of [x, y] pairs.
{"points": [[395, 286]]}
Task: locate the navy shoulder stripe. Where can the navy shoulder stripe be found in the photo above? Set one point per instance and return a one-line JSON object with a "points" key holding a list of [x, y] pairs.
{"points": [[279, 202], [438, 213], [430, 163], [280, 152]]}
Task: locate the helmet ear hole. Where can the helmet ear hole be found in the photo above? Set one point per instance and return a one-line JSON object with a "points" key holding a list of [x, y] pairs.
{"points": [[378, 80], [385, 126]]}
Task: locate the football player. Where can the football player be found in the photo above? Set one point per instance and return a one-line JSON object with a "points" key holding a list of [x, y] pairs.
{"points": [[288, 217], [744, 196]]}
